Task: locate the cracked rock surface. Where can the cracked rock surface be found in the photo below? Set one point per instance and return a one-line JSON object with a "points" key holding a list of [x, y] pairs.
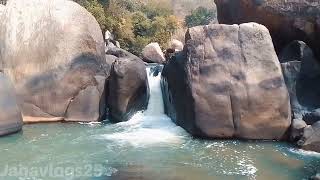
{"points": [[228, 83]]}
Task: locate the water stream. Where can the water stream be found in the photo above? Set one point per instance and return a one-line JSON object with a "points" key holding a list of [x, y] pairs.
{"points": [[149, 146]]}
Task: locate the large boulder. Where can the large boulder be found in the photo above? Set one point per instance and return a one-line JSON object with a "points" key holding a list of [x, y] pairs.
{"points": [[227, 83], [53, 51], [287, 20], [301, 74], [176, 45], [152, 53], [297, 129], [10, 117], [311, 138], [312, 117], [128, 85]]}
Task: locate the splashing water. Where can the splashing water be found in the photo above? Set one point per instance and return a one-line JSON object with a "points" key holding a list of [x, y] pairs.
{"points": [[151, 126]]}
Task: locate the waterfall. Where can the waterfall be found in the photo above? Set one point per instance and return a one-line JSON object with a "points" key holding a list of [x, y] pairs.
{"points": [[152, 125], [155, 106]]}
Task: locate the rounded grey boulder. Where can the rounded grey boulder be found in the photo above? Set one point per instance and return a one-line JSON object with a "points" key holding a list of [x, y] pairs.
{"points": [[152, 53], [310, 139], [176, 45], [128, 90], [10, 117], [53, 51]]}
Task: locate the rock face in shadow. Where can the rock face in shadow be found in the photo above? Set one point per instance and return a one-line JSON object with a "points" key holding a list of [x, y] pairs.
{"points": [[10, 117], [54, 53], [227, 83], [128, 85], [287, 20], [302, 75]]}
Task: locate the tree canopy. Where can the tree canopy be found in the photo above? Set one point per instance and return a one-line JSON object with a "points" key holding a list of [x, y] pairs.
{"points": [[134, 23], [200, 16]]}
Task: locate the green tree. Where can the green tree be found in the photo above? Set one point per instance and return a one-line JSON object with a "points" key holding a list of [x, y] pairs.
{"points": [[97, 10], [134, 23], [154, 8], [141, 24], [200, 16]]}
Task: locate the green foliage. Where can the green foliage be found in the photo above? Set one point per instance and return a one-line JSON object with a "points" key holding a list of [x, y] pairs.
{"points": [[200, 16], [133, 23], [97, 11], [139, 43], [141, 24], [156, 8]]}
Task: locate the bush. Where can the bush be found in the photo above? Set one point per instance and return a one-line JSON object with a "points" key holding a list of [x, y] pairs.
{"points": [[134, 24], [200, 16]]}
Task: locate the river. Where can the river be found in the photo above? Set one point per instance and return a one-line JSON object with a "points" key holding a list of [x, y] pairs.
{"points": [[148, 147]]}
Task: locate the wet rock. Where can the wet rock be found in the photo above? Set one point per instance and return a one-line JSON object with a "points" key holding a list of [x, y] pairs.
{"points": [[227, 88], [152, 53], [302, 77], [10, 117], [297, 128], [52, 66], [311, 138], [128, 86], [287, 20], [156, 70], [312, 117], [316, 177]]}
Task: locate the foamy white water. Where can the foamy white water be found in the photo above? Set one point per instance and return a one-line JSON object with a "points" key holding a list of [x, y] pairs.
{"points": [[152, 125], [305, 153]]}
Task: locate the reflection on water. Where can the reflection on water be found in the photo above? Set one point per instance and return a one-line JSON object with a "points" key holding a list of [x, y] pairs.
{"points": [[148, 147]]}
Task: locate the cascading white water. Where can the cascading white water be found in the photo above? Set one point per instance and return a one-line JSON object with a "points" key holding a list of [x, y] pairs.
{"points": [[152, 125], [155, 106]]}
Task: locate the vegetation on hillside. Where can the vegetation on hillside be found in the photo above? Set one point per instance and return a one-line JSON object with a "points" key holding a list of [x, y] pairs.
{"points": [[200, 16], [134, 23]]}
